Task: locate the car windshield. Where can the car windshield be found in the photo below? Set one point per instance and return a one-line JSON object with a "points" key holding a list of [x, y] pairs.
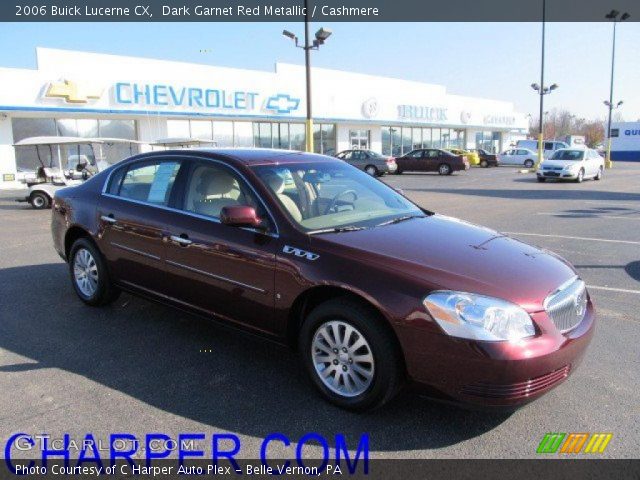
{"points": [[570, 155], [323, 196]]}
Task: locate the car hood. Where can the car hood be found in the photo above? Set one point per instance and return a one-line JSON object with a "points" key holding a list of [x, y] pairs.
{"points": [[560, 163], [447, 253]]}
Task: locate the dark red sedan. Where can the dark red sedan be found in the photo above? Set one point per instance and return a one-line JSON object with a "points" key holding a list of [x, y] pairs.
{"points": [[431, 160], [374, 291]]}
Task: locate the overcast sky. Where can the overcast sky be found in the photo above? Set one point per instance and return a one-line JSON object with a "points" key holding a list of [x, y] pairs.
{"points": [[492, 60]]}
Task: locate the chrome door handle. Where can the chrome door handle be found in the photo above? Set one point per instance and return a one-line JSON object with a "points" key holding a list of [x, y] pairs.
{"points": [[180, 240], [108, 219]]}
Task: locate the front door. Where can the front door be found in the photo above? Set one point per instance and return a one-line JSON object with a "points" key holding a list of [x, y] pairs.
{"points": [[131, 223], [215, 268]]}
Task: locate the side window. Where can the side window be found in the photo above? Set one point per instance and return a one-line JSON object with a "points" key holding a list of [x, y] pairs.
{"points": [[522, 152], [346, 156], [548, 145], [432, 153], [147, 182], [416, 154], [211, 187]]}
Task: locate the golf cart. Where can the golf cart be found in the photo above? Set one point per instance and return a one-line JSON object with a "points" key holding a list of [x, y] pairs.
{"points": [[63, 162], [181, 142]]}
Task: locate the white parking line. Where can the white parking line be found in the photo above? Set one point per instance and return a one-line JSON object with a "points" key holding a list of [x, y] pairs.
{"points": [[611, 289], [628, 242], [586, 215]]}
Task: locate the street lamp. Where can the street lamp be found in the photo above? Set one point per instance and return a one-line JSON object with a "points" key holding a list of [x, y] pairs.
{"points": [[612, 15], [321, 37]]}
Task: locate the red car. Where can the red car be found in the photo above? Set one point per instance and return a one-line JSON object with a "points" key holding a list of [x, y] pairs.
{"points": [[431, 160], [374, 291]]}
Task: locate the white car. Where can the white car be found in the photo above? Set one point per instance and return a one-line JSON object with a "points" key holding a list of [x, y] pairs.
{"points": [[572, 164], [522, 157]]}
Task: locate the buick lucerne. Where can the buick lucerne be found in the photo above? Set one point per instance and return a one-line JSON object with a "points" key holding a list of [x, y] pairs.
{"points": [[373, 291]]}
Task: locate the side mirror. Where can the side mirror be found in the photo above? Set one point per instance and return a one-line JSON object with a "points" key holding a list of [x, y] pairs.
{"points": [[240, 216]]}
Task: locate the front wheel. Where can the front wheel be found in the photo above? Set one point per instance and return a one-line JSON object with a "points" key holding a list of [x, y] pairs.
{"points": [[580, 176], [371, 170], [528, 163], [39, 200], [398, 172], [484, 164], [89, 274], [350, 356], [444, 169], [541, 179]]}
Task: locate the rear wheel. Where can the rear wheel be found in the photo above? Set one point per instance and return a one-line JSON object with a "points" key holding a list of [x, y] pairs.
{"points": [[89, 274], [445, 169], [371, 170], [528, 163], [599, 175], [349, 355], [40, 200]]}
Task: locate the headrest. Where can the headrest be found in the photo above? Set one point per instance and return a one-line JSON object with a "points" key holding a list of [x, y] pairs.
{"points": [[276, 183], [216, 183]]}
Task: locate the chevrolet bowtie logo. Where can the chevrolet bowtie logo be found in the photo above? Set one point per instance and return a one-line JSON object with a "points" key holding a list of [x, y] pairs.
{"points": [[71, 92], [282, 103]]}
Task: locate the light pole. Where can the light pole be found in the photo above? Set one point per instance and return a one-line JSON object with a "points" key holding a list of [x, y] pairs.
{"points": [[541, 89], [612, 15], [320, 37]]}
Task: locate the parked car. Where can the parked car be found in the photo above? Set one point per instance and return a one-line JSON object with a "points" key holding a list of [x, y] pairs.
{"points": [[486, 159], [572, 164], [431, 160], [522, 157], [374, 291], [472, 156], [371, 162], [550, 146]]}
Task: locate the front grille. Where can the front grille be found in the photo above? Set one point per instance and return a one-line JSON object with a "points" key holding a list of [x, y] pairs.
{"points": [[567, 306], [551, 174], [517, 390]]}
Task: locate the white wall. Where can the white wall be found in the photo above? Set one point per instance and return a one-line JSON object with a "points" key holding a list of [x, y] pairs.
{"points": [[7, 152]]}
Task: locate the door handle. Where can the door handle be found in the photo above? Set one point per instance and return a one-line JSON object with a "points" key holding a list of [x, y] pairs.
{"points": [[182, 240], [108, 219]]}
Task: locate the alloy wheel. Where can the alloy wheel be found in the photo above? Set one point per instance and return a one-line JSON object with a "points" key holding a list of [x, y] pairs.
{"points": [[85, 272], [342, 358]]}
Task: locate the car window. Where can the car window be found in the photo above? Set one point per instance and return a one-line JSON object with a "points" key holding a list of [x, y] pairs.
{"points": [[148, 182], [415, 154], [211, 187], [548, 145], [331, 195], [522, 152], [345, 155]]}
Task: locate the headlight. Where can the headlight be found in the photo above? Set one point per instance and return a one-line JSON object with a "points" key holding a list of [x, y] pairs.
{"points": [[571, 167], [478, 317]]}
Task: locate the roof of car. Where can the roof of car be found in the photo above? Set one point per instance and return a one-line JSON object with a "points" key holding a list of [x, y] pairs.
{"points": [[265, 156]]}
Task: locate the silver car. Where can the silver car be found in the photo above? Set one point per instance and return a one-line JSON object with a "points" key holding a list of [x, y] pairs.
{"points": [[572, 164], [371, 162], [522, 157]]}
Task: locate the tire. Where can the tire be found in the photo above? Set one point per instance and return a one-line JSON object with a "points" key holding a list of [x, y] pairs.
{"points": [[371, 170], [40, 200], [99, 291], [398, 172], [599, 175], [529, 163], [484, 164], [385, 370], [580, 176], [445, 169], [542, 179]]}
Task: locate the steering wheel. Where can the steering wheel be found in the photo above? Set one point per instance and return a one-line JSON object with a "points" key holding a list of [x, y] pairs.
{"points": [[334, 200]]}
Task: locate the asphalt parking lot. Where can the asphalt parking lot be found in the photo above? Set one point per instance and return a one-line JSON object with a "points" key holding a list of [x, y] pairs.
{"points": [[139, 367]]}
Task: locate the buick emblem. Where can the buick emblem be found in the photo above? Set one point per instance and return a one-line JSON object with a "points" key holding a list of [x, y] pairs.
{"points": [[370, 108]]}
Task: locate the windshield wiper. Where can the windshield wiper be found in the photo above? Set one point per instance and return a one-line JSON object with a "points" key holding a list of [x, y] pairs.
{"points": [[348, 228], [400, 219]]}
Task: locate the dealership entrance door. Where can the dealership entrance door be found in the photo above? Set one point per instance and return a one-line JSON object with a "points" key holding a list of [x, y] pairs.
{"points": [[360, 139]]}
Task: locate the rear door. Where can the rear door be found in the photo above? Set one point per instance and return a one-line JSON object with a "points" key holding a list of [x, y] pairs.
{"points": [[432, 160], [215, 268], [132, 215]]}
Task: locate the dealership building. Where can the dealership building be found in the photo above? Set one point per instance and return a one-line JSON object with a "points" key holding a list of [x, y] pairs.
{"points": [[84, 94]]}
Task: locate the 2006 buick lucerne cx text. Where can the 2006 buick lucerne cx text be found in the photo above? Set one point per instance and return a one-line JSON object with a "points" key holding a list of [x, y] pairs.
{"points": [[374, 292]]}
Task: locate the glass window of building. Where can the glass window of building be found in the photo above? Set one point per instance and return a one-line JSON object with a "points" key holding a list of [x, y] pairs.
{"points": [[178, 129], [201, 129], [360, 139], [426, 138], [281, 135], [324, 138], [435, 138], [297, 136], [223, 134], [243, 134], [262, 135], [416, 135], [407, 145]]}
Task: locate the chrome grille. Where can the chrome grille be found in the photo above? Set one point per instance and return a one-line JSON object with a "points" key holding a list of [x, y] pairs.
{"points": [[567, 306]]}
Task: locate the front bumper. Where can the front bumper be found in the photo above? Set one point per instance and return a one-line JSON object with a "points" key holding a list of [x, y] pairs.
{"points": [[497, 374], [559, 174]]}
